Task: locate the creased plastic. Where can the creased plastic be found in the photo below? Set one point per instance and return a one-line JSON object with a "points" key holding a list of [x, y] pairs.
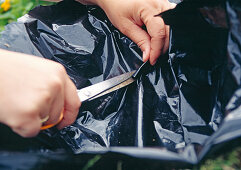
{"points": [[187, 104]]}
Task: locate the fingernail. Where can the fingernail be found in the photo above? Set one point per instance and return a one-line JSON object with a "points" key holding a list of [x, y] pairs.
{"points": [[153, 62]]}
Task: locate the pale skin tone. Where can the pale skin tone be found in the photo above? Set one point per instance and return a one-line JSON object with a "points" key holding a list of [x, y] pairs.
{"points": [[32, 88], [130, 15]]}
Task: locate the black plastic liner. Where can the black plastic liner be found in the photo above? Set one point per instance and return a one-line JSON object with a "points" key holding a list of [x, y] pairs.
{"points": [[186, 105]]}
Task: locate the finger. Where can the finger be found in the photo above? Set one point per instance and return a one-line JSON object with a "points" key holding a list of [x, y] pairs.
{"points": [[56, 108], [166, 44], [139, 36], [71, 104], [46, 107], [156, 29], [29, 129]]}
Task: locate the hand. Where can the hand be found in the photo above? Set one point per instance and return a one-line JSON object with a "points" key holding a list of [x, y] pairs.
{"points": [[32, 88], [130, 15]]}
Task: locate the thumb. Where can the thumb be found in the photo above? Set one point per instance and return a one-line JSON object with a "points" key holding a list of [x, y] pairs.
{"points": [[139, 36]]}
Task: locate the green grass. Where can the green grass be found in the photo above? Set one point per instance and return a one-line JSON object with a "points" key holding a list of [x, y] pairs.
{"points": [[18, 9], [91, 162], [227, 161]]}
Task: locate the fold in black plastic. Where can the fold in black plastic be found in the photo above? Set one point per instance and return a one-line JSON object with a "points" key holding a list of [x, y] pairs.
{"points": [[188, 103]]}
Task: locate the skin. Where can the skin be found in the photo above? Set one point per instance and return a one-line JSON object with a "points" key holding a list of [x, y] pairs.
{"points": [[129, 16], [32, 88]]}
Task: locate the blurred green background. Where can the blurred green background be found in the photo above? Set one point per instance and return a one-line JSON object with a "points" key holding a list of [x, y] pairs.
{"points": [[17, 9], [227, 161]]}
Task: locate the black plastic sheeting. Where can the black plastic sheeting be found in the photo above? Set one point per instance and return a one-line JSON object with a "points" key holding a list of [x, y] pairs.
{"points": [[188, 103]]}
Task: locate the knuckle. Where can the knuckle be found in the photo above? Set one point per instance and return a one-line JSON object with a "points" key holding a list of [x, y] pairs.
{"points": [[30, 110], [46, 99], [56, 83], [56, 80], [141, 42], [161, 33], [59, 68]]}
